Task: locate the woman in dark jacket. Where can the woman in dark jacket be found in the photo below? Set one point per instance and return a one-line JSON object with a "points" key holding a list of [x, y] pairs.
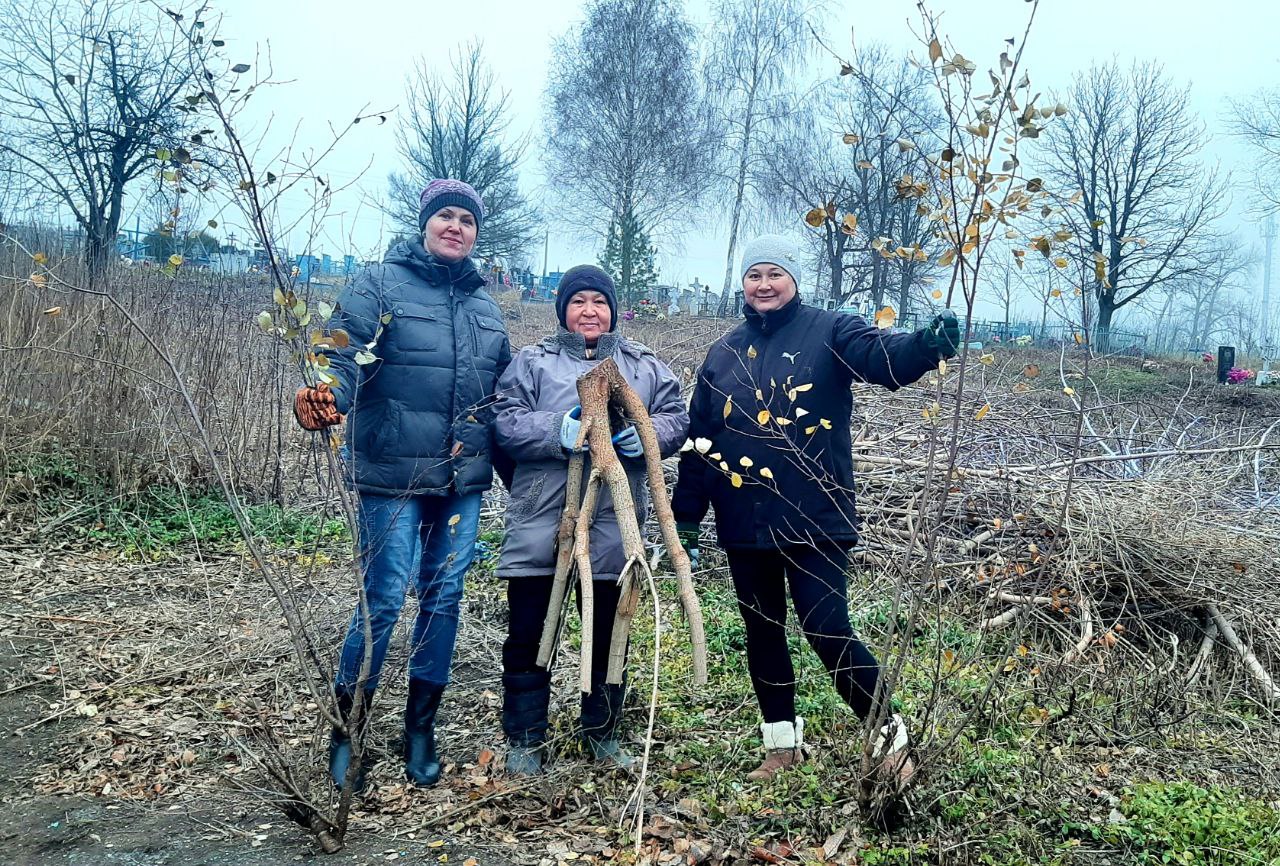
{"points": [[416, 382], [770, 424], [537, 426]]}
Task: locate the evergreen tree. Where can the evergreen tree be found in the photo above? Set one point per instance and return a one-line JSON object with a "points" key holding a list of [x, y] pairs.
{"points": [[629, 258]]}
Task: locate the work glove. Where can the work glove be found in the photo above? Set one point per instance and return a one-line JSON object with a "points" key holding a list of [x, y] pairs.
{"points": [[689, 538], [942, 335], [315, 407], [569, 428], [628, 442]]}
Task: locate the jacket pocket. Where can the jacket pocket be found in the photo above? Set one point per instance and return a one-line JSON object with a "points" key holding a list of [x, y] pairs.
{"points": [[524, 503], [415, 330], [486, 336], [382, 424]]}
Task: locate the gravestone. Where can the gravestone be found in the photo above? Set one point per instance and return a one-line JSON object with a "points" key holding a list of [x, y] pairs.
{"points": [[1226, 360]]}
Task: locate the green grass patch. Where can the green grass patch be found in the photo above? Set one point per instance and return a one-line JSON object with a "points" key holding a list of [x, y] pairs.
{"points": [[163, 519], [1183, 823]]}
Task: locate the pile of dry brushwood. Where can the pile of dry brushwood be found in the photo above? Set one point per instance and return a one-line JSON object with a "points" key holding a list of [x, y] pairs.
{"points": [[1167, 540]]}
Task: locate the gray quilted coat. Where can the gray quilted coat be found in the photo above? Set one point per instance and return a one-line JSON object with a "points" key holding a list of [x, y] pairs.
{"points": [[537, 390]]}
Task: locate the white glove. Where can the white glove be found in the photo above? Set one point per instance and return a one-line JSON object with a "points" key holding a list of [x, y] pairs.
{"points": [[569, 428]]}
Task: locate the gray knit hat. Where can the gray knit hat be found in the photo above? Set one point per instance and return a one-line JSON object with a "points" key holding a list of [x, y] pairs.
{"points": [[774, 250]]}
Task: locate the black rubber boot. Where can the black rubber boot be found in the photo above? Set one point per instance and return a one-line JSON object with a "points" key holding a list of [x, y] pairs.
{"points": [[525, 700], [340, 741], [601, 718], [420, 762]]}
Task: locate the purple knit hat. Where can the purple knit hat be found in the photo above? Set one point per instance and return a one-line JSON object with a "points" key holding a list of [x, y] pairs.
{"points": [[444, 193]]}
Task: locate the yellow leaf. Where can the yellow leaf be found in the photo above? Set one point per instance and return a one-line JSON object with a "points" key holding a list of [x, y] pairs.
{"points": [[1055, 293], [53, 311], [800, 389], [724, 467], [942, 368], [782, 422], [1078, 337], [946, 258], [40, 259], [864, 163], [751, 352], [728, 407], [1031, 371], [175, 260], [851, 138], [935, 50], [982, 413], [762, 417], [735, 479], [816, 217], [826, 425], [701, 445], [850, 224], [759, 394], [439, 843], [1069, 391], [453, 521], [809, 431], [766, 472], [746, 462], [937, 294], [1059, 262], [886, 317], [988, 359]]}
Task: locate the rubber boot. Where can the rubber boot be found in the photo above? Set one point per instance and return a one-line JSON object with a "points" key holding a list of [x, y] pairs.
{"points": [[421, 765], [340, 751], [601, 719], [525, 700], [784, 748]]}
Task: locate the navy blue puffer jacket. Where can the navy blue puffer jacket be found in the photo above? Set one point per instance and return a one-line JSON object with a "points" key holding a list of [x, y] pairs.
{"points": [[418, 417]]}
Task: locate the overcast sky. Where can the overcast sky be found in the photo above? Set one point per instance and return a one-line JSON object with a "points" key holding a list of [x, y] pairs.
{"points": [[339, 57]]}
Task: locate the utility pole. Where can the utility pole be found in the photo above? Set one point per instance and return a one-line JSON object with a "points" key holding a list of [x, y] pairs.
{"points": [[1269, 239], [1268, 347]]}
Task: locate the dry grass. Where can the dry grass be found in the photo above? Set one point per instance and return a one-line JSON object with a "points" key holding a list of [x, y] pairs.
{"points": [[1054, 620]]}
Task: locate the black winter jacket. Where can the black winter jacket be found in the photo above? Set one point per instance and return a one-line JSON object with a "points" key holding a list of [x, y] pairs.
{"points": [[770, 424], [418, 416]]}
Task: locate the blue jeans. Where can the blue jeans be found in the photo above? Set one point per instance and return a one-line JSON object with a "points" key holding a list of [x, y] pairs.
{"points": [[431, 539]]}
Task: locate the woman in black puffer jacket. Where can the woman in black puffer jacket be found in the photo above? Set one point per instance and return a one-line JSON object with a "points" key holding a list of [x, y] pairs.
{"points": [[770, 424]]}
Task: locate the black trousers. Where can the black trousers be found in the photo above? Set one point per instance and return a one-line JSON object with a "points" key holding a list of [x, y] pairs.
{"points": [[528, 598], [820, 592], [527, 687]]}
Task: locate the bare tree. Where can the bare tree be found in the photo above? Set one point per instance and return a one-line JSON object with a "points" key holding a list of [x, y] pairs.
{"points": [[457, 126], [1203, 300], [858, 152], [89, 92], [1143, 202], [628, 132], [755, 46], [1257, 121]]}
